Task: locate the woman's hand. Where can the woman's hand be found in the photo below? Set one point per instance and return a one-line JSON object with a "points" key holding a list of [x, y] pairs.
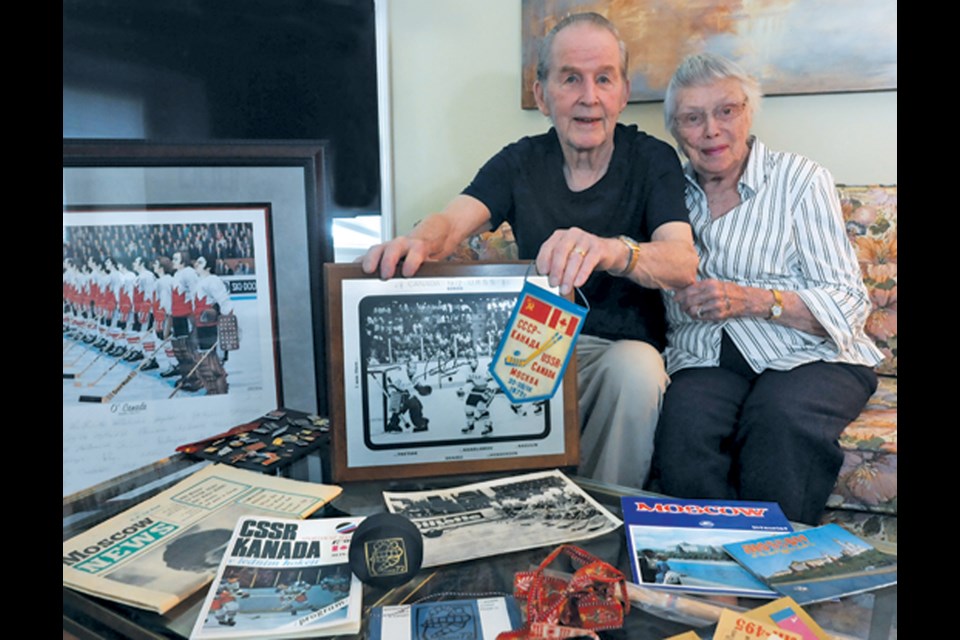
{"points": [[714, 300]]}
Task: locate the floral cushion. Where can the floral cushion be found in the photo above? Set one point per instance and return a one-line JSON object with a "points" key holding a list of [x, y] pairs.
{"points": [[868, 477], [876, 427], [871, 216], [498, 245], [877, 528]]}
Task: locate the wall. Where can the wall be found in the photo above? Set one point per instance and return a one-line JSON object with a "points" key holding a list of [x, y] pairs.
{"points": [[455, 101]]}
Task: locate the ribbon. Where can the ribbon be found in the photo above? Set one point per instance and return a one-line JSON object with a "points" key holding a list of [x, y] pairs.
{"points": [[593, 599]]}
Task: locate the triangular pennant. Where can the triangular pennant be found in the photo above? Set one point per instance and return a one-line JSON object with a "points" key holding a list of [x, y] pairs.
{"points": [[536, 345]]}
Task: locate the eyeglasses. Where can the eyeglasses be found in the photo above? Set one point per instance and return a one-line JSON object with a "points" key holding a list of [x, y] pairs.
{"points": [[722, 113]]}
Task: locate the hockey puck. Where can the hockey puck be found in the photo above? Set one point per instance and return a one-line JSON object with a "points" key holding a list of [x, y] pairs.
{"points": [[386, 550]]}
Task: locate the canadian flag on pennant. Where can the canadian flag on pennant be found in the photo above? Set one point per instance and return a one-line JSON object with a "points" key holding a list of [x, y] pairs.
{"points": [[562, 321], [536, 345]]}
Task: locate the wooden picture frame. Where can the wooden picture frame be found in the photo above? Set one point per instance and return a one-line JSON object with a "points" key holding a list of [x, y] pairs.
{"points": [[423, 337]]}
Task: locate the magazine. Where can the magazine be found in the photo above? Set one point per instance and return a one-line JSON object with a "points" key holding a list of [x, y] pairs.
{"points": [[158, 553], [509, 514], [283, 578], [481, 619], [817, 564], [678, 545]]}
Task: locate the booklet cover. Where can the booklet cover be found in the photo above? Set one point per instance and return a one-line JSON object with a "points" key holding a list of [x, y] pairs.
{"points": [[734, 625], [678, 545], [787, 614], [282, 578], [816, 564], [481, 619]]}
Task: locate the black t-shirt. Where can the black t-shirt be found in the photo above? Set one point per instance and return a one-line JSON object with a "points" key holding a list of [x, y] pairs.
{"points": [[643, 188]]}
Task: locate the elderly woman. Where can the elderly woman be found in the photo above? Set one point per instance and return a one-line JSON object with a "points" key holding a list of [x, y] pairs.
{"points": [[767, 352], [598, 205]]}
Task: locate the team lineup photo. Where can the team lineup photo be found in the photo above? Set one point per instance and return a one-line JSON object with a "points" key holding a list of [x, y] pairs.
{"points": [[167, 320]]}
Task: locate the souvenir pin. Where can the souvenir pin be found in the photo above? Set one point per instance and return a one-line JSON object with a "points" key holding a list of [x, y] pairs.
{"points": [[536, 344]]}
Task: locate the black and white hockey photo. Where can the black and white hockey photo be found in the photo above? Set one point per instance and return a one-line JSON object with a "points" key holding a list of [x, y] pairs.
{"points": [[417, 361], [426, 368], [510, 514]]}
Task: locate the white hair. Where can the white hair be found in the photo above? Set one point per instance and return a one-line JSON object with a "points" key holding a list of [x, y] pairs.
{"points": [[702, 69]]}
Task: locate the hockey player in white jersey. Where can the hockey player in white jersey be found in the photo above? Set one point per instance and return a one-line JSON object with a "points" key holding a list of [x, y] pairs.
{"points": [[125, 317], [162, 304], [111, 285], [211, 300], [141, 330], [479, 393], [181, 314]]}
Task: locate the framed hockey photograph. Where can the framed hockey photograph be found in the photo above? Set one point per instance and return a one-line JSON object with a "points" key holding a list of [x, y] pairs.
{"points": [[411, 392], [261, 206], [169, 326]]}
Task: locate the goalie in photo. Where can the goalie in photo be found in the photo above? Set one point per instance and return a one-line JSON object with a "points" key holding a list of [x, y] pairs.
{"points": [[403, 400]]}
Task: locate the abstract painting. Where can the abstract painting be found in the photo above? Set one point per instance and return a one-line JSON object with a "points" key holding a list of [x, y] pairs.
{"points": [[790, 46]]}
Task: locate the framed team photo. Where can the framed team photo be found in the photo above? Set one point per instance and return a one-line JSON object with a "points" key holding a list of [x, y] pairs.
{"points": [[169, 328], [411, 393], [269, 198]]}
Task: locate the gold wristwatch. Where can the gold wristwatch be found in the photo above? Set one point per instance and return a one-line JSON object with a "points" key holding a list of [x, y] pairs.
{"points": [[776, 309], [634, 248]]}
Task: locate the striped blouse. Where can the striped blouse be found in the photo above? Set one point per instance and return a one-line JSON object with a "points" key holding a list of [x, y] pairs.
{"points": [[787, 233]]}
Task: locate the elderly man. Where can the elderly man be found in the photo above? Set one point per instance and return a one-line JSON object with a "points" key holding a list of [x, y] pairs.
{"points": [[599, 206]]}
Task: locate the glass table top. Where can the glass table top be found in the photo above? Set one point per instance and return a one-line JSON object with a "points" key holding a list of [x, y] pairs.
{"points": [[653, 614]]}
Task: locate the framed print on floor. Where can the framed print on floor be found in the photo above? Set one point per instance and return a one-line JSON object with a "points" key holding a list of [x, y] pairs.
{"points": [[258, 208], [410, 392]]}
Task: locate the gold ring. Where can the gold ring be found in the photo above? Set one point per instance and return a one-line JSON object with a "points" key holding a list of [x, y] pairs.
{"points": [[580, 250]]}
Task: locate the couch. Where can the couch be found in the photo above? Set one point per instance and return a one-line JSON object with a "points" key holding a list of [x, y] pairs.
{"points": [[865, 496]]}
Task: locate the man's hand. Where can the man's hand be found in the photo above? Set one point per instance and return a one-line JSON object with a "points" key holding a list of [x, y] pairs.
{"points": [[569, 256], [668, 261], [433, 238], [386, 256]]}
